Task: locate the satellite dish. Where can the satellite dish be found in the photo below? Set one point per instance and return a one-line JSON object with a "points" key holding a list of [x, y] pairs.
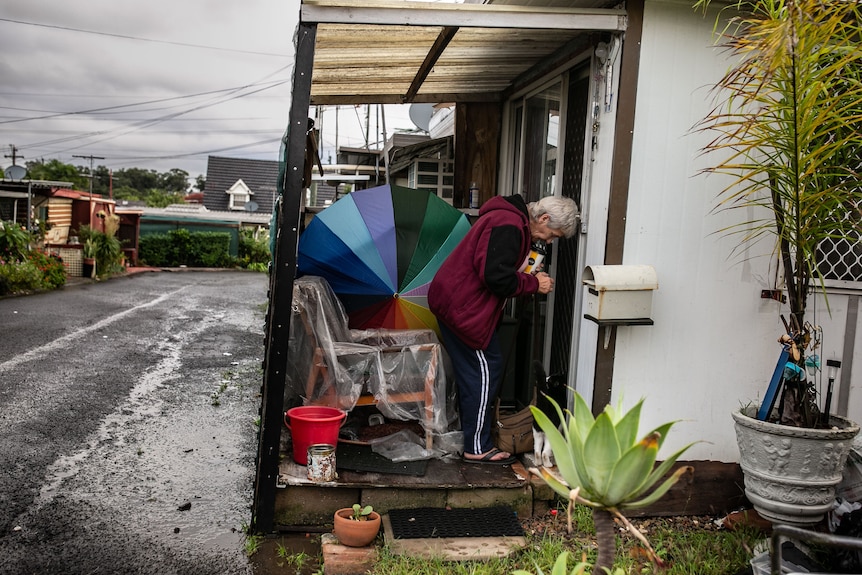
{"points": [[420, 115], [15, 172], [251, 206]]}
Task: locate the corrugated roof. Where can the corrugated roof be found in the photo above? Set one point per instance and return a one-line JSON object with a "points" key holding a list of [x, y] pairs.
{"points": [[403, 52]]}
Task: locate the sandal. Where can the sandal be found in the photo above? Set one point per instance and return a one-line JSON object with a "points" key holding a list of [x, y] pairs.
{"points": [[488, 458]]}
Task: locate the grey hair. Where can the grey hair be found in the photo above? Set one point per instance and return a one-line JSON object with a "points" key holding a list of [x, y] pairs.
{"points": [[563, 213]]}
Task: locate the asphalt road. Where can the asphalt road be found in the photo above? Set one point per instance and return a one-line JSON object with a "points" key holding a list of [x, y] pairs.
{"points": [[128, 424]]}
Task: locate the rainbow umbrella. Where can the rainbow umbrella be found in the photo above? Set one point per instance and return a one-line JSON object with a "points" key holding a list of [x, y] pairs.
{"points": [[379, 250]]}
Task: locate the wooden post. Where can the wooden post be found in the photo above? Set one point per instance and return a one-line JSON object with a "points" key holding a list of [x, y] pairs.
{"points": [[477, 147]]}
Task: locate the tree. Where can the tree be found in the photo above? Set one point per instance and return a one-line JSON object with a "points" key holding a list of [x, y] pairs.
{"points": [[101, 181], [162, 198], [57, 171], [127, 193], [137, 178], [200, 183], [175, 180]]}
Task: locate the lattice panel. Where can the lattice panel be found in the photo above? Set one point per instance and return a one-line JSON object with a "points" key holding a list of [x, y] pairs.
{"points": [[73, 259], [568, 276], [841, 259]]}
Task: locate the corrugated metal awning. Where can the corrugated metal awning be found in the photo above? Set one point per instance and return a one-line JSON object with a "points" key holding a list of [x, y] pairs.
{"points": [[395, 52]]}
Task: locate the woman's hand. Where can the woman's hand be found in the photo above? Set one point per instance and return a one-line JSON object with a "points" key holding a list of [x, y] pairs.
{"points": [[546, 283]]}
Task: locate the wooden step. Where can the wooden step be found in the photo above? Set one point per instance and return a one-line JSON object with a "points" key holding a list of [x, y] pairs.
{"points": [[449, 482]]}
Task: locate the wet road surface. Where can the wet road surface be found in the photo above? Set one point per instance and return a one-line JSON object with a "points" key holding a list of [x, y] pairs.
{"points": [[128, 424]]}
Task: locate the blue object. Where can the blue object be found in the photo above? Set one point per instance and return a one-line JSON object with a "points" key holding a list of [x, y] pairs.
{"points": [[774, 384], [793, 371]]}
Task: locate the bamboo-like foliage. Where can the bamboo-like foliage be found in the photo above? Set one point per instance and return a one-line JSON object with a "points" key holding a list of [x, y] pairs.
{"points": [[788, 129]]}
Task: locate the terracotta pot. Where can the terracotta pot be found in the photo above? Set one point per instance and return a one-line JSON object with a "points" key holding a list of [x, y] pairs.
{"points": [[355, 533]]}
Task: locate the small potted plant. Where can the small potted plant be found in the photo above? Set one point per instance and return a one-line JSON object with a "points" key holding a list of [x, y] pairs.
{"points": [[356, 526]]}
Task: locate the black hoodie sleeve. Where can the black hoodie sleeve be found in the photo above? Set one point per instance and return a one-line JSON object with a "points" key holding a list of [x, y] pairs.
{"points": [[501, 263]]}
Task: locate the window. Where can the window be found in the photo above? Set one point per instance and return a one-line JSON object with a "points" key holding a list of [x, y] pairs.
{"points": [[537, 133], [239, 195], [432, 175]]}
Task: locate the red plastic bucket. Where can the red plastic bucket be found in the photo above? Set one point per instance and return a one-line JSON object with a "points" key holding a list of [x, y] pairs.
{"points": [[311, 424]]}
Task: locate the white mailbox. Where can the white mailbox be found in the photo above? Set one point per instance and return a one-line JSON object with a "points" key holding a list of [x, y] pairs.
{"points": [[619, 295]]}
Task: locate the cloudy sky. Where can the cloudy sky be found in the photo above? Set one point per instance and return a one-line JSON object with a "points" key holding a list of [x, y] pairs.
{"points": [[155, 84]]}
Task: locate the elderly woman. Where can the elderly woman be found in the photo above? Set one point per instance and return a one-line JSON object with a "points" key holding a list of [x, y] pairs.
{"points": [[467, 296]]}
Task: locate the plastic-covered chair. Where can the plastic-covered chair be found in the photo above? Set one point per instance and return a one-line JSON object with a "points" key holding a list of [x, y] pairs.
{"points": [[399, 371]]}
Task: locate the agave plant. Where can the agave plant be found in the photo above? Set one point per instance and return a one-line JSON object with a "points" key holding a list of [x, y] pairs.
{"points": [[603, 464]]}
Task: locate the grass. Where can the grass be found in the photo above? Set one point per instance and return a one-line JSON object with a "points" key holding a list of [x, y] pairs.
{"points": [[689, 547], [252, 544], [215, 398], [287, 558]]}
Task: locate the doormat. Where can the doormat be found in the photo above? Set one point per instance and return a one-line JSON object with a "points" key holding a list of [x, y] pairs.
{"points": [[356, 457], [428, 522]]}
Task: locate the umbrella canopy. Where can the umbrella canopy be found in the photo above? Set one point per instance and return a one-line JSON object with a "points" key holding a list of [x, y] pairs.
{"points": [[379, 250]]}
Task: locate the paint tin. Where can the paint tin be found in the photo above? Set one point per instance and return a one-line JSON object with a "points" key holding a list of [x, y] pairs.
{"points": [[321, 462]]}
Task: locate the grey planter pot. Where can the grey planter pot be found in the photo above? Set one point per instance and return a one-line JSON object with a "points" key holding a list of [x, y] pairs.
{"points": [[791, 472]]}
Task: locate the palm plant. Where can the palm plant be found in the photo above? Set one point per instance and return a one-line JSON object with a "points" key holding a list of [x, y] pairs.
{"points": [[603, 465], [103, 246], [788, 131]]}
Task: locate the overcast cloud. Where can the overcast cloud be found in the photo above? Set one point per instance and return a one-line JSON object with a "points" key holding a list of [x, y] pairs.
{"points": [[154, 84]]}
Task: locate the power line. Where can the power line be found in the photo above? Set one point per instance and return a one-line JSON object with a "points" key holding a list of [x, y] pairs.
{"points": [[234, 89], [138, 38], [146, 123]]}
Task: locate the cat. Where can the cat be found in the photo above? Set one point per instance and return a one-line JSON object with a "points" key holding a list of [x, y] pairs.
{"points": [[553, 386]]}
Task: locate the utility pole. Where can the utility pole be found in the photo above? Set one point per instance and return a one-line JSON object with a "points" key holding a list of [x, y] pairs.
{"points": [[91, 158], [14, 155]]}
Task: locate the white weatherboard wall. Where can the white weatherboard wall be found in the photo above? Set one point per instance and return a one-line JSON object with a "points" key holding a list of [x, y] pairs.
{"points": [[834, 323], [713, 345]]}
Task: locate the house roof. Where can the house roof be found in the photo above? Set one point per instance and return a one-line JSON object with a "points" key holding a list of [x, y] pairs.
{"points": [[198, 213], [403, 157], [261, 177], [385, 51]]}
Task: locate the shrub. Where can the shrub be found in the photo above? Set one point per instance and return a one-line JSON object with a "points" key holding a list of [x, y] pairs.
{"points": [[181, 247], [14, 240], [19, 277], [51, 268], [254, 249], [209, 250], [155, 250], [36, 271]]}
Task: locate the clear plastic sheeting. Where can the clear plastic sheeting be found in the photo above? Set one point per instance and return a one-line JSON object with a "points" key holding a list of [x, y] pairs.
{"points": [[407, 446], [402, 371]]}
